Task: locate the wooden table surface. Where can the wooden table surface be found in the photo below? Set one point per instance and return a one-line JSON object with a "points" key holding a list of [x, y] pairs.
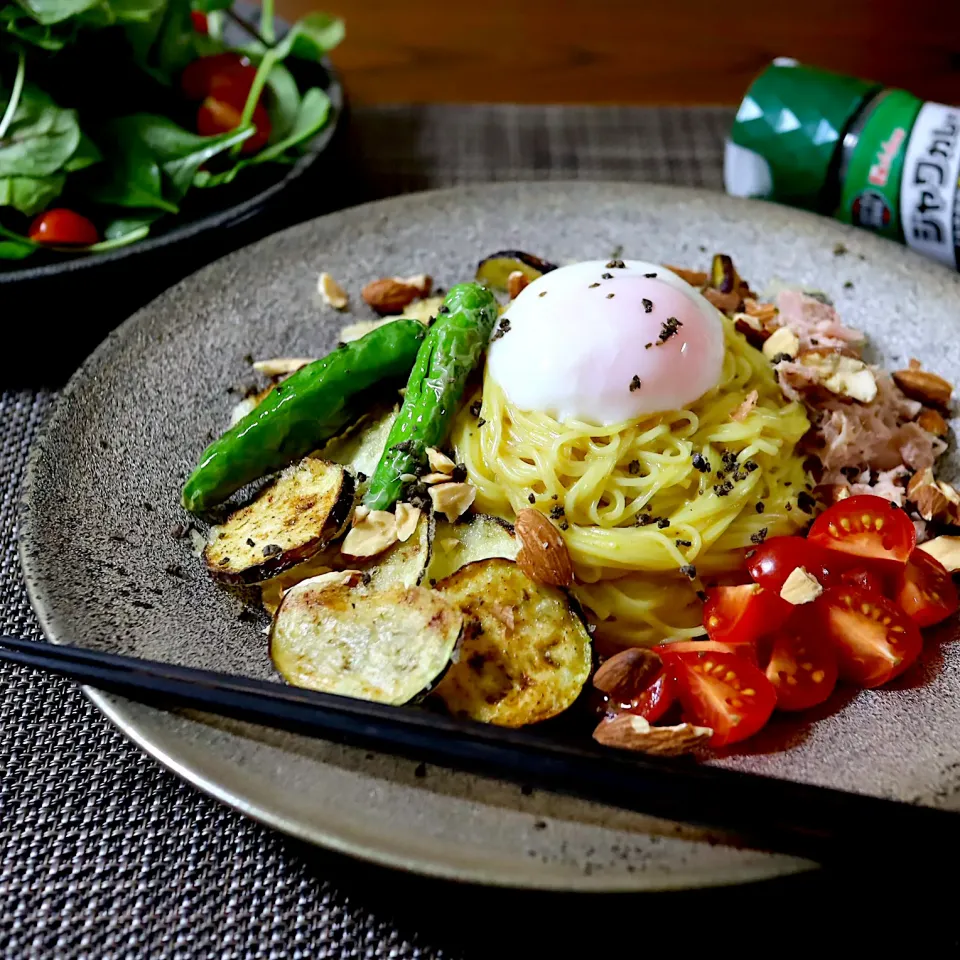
{"points": [[641, 52]]}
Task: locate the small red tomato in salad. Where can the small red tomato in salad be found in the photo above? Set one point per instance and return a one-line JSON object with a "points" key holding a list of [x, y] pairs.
{"points": [[228, 70], [721, 690], [746, 650], [216, 116], [773, 561], [870, 580], [743, 614], [63, 228], [655, 701], [874, 639], [865, 526], [803, 665], [925, 590]]}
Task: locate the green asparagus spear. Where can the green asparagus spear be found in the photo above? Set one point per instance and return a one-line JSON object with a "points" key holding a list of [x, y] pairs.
{"points": [[446, 358], [303, 412]]}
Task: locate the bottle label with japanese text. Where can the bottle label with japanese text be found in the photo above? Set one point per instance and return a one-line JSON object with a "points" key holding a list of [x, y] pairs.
{"points": [[929, 206]]}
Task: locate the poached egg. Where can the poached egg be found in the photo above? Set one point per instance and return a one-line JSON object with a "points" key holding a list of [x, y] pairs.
{"points": [[605, 343]]}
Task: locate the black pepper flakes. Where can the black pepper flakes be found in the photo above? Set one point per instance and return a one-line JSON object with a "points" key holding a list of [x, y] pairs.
{"points": [[684, 543], [701, 463], [250, 542], [644, 520], [647, 346], [647, 305], [481, 422], [670, 327], [475, 408], [702, 596], [759, 536], [610, 296], [592, 285], [689, 571], [761, 506], [650, 276], [805, 502], [750, 466], [789, 507], [781, 357], [531, 497], [502, 329], [362, 477], [557, 512], [459, 474], [443, 308], [633, 467], [721, 490], [635, 383], [341, 344], [606, 276], [663, 523], [272, 550], [542, 293], [616, 264], [847, 284], [839, 249], [564, 525]]}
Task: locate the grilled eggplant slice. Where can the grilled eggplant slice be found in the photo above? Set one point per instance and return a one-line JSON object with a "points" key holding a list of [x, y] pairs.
{"points": [[334, 634], [525, 655], [291, 520], [362, 447], [480, 537], [493, 271], [405, 563]]}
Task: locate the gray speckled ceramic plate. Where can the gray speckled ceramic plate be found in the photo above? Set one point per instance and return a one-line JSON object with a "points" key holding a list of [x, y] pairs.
{"points": [[104, 570]]}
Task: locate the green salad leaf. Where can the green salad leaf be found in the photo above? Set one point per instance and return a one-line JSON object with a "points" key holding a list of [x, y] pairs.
{"points": [[30, 195], [41, 137]]}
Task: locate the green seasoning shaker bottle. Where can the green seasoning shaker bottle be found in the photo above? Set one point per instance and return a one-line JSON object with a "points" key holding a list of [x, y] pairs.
{"points": [[878, 158]]}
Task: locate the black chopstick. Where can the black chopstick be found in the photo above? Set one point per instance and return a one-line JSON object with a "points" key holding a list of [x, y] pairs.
{"points": [[821, 824]]}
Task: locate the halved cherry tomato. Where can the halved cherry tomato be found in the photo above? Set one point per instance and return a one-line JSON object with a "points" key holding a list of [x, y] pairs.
{"points": [[869, 580], [216, 116], [747, 650], [802, 666], [743, 614], [199, 19], [655, 701], [233, 69], [773, 561], [874, 639], [925, 591], [865, 526], [63, 228], [723, 691]]}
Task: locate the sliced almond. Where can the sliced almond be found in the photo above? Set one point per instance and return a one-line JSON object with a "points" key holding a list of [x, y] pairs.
{"points": [[281, 366], [439, 462], [926, 387], [452, 499], [392, 294], [627, 731], [371, 535], [944, 549], [516, 282], [949, 492], [925, 494], [843, 375], [431, 478], [922, 478], [765, 313], [782, 341], [743, 410], [354, 331], [627, 673], [932, 422], [696, 278], [543, 555], [335, 578], [800, 587], [332, 294], [407, 518], [725, 302], [359, 512]]}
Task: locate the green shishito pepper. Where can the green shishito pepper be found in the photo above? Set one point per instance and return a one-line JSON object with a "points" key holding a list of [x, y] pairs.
{"points": [[446, 358], [303, 412]]}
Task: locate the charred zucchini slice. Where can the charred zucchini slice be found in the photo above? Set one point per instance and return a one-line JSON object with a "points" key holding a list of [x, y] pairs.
{"points": [[525, 654], [387, 645], [493, 271], [291, 520], [478, 538], [361, 449]]}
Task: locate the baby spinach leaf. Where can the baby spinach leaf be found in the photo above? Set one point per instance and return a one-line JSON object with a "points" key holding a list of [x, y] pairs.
{"points": [[41, 138], [86, 154], [55, 11], [131, 177], [134, 232], [135, 11], [132, 224], [283, 102], [21, 25], [13, 246], [30, 195]]}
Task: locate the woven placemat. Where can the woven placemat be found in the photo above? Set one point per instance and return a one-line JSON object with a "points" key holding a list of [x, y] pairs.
{"points": [[105, 855]]}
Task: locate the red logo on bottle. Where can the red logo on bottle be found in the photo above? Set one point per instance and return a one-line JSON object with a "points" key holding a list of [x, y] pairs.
{"points": [[880, 171]]}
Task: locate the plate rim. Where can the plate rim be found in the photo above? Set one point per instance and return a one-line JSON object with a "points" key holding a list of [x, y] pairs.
{"points": [[151, 742]]}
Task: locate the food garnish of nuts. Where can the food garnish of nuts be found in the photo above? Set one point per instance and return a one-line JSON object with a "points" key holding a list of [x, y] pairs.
{"points": [[696, 278], [626, 674], [452, 499], [407, 518], [370, 535], [543, 554], [843, 375], [724, 302], [782, 341], [627, 731], [925, 494], [515, 283], [392, 294], [944, 549], [800, 587], [281, 366], [335, 578], [430, 478], [932, 422], [332, 294], [926, 387], [439, 461]]}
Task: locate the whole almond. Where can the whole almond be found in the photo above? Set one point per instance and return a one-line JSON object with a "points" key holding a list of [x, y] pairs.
{"points": [[627, 731], [924, 386], [543, 554], [628, 673], [932, 422], [393, 294]]}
